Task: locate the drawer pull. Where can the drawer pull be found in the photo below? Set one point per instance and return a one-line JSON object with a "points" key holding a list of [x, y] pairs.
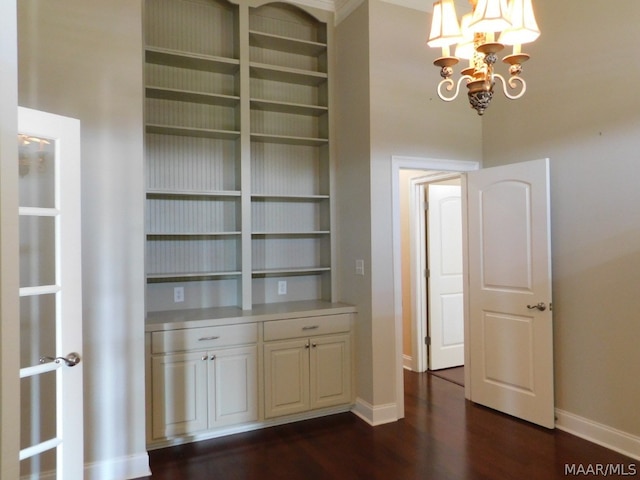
{"points": [[312, 327], [213, 337]]}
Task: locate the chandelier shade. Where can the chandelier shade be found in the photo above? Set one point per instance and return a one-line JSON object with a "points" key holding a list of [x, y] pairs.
{"points": [[524, 28], [490, 16], [445, 29]]}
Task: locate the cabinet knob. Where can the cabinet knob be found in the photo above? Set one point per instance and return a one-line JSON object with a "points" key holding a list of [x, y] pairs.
{"points": [[212, 357], [314, 345], [204, 357], [307, 345]]}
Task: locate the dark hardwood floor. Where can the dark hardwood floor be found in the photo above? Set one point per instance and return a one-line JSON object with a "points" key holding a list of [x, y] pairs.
{"points": [[442, 437]]}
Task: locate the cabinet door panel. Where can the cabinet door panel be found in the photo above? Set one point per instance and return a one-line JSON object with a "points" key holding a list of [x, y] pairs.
{"points": [[330, 371], [179, 394], [286, 377], [233, 379]]}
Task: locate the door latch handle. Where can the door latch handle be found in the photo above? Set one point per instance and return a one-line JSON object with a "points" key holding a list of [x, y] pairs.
{"points": [[540, 306], [70, 360]]}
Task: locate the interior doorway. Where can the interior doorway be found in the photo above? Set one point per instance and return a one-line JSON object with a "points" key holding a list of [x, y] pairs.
{"points": [[402, 284], [432, 290]]}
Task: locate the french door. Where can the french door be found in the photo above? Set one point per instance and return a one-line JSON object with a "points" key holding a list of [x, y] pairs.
{"points": [[51, 409]]}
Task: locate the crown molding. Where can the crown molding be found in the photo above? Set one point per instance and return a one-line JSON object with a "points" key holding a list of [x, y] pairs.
{"points": [[343, 8]]}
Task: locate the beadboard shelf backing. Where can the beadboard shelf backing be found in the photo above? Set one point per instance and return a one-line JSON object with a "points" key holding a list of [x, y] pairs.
{"points": [[238, 154]]}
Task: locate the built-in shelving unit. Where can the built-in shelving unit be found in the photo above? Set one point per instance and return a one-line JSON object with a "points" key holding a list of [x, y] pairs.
{"points": [[238, 149]]}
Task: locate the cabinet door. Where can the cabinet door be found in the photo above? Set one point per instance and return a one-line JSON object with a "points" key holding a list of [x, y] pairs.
{"points": [[233, 391], [330, 379], [179, 394], [286, 377]]}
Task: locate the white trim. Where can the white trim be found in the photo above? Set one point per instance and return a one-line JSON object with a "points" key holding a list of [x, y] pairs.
{"points": [[129, 467], [328, 5], [248, 427], [400, 162], [462, 6], [375, 415], [608, 437], [344, 8], [407, 362]]}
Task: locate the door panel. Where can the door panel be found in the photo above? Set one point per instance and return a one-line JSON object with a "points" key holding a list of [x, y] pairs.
{"points": [[509, 272], [233, 394], [445, 308], [286, 377]]}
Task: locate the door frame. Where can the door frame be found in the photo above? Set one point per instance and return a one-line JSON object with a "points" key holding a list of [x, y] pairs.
{"points": [[419, 259], [399, 162], [9, 302]]}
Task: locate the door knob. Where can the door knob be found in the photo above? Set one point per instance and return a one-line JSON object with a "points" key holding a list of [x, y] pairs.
{"points": [[540, 306], [70, 360]]}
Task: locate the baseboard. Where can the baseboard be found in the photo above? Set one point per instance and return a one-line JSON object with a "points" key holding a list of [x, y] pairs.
{"points": [[375, 415], [407, 362], [248, 427], [611, 438], [123, 468]]}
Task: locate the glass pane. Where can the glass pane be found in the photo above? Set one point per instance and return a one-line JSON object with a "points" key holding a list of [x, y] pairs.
{"points": [[39, 466], [37, 171], [38, 418], [37, 251], [37, 328]]}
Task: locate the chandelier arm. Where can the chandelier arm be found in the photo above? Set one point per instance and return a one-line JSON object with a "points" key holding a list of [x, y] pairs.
{"points": [[512, 85], [449, 84]]}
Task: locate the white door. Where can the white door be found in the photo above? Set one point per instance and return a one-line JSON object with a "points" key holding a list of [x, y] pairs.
{"points": [[51, 440], [509, 270], [445, 307]]}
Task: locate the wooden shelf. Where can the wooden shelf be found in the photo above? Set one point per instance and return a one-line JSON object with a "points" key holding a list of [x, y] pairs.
{"points": [[290, 271], [288, 140], [192, 132], [172, 235], [154, 277], [160, 194], [192, 97], [286, 107], [192, 61], [286, 44], [294, 198], [284, 234], [286, 74]]}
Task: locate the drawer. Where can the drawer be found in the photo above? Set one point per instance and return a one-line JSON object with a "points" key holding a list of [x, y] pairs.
{"points": [[203, 338], [304, 327]]}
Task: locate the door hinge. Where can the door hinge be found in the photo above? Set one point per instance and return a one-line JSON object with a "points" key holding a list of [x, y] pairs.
{"points": [[427, 272], [426, 205], [427, 340]]}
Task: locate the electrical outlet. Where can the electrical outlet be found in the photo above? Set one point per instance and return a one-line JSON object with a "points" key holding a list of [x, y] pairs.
{"points": [[282, 287], [359, 267], [178, 294]]}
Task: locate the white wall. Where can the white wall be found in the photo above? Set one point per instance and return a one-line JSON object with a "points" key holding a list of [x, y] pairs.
{"points": [[84, 60], [352, 184], [582, 111], [406, 119]]}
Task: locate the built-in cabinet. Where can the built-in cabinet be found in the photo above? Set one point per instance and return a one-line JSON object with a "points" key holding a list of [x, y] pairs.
{"points": [[307, 365], [209, 383], [239, 223], [209, 376]]}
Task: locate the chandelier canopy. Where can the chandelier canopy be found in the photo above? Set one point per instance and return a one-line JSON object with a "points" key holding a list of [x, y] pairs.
{"points": [[512, 22]]}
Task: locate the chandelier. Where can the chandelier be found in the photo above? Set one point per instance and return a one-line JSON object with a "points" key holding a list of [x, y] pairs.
{"points": [[475, 40]]}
